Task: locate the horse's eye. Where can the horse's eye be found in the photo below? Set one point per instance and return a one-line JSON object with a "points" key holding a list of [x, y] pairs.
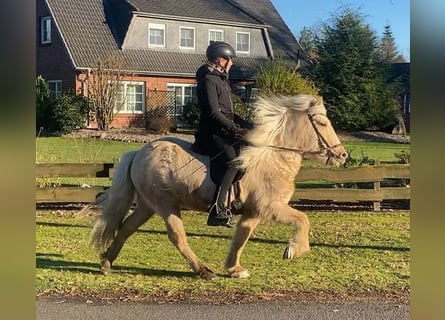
{"points": [[321, 123]]}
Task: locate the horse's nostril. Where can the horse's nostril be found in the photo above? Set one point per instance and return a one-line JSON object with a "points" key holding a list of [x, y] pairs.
{"points": [[344, 155]]}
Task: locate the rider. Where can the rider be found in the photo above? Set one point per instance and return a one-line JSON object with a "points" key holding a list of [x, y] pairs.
{"points": [[220, 129]]}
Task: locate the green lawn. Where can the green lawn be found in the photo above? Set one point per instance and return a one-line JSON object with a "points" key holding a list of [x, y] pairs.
{"points": [[59, 149], [354, 255]]}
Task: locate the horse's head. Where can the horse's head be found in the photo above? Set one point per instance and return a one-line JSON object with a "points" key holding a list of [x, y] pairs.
{"points": [[293, 123], [327, 147]]}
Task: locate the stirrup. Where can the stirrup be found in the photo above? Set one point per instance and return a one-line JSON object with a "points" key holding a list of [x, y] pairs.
{"points": [[224, 213]]}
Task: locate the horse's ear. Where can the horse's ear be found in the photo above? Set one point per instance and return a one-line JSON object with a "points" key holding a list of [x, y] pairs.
{"points": [[316, 101]]}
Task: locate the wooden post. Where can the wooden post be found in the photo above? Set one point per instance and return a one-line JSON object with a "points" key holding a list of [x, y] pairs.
{"points": [[377, 188]]}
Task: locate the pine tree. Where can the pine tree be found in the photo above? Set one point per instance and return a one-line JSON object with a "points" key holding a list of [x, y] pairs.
{"points": [[350, 75], [388, 47]]}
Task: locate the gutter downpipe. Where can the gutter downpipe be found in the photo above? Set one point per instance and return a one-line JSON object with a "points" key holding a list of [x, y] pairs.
{"points": [[268, 43]]}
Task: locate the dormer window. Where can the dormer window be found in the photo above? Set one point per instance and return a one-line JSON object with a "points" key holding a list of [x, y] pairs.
{"points": [[45, 30], [216, 35], [243, 42], [187, 38], [156, 35]]}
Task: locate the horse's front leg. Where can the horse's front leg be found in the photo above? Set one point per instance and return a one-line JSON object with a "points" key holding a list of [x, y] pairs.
{"points": [[299, 243], [244, 229]]}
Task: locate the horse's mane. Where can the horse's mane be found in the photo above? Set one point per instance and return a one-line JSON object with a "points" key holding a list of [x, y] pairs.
{"points": [[273, 118]]}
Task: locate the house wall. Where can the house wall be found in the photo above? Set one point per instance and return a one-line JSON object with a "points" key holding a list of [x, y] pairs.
{"points": [[137, 36], [125, 120], [52, 60]]}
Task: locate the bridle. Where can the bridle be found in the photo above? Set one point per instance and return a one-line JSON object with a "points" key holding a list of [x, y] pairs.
{"points": [[323, 145]]}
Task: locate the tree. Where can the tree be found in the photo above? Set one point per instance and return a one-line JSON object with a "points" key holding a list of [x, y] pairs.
{"points": [[43, 102], [388, 47], [308, 40], [104, 86], [351, 76]]}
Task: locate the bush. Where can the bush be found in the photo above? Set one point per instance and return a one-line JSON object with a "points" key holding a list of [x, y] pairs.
{"points": [[241, 108], [159, 121], [275, 77], [59, 115], [69, 112], [190, 113]]}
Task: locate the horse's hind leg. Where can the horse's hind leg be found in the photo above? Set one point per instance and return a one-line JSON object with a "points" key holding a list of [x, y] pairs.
{"points": [[244, 229], [139, 216], [299, 243], [177, 235]]}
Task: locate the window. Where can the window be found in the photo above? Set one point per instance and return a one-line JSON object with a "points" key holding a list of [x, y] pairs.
{"points": [[187, 38], [184, 93], [156, 35], [130, 97], [243, 42], [45, 30], [216, 35], [55, 86]]}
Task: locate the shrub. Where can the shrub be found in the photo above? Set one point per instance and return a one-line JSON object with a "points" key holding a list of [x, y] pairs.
{"points": [[241, 108], [190, 113], [159, 121], [62, 114], [69, 112], [275, 77], [403, 157]]}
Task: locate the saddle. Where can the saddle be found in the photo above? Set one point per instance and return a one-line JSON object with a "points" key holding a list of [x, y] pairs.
{"points": [[217, 169]]}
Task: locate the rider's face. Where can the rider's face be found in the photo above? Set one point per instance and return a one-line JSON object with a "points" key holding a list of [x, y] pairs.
{"points": [[225, 63]]}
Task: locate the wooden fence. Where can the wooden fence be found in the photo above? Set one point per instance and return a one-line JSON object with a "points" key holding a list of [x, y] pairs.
{"points": [[371, 183]]}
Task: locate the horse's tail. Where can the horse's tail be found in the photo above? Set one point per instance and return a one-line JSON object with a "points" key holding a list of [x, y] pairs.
{"points": [[115, 203]]}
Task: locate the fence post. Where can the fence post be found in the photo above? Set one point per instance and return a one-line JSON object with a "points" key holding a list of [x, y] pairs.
{"points": [[377, 188]]}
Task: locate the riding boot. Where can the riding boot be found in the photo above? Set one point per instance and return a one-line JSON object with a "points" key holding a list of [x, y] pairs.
{"points": [[219, 212]]}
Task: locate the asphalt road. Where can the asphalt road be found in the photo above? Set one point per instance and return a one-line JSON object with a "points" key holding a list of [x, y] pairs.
{"points": [[49, 309]]}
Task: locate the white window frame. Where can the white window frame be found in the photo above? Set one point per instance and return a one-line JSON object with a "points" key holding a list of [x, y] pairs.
{"points": [[180, 38], [121, 105], [238, 43], [216, 31], [156, 26], [55, 87], [182, 86], [45, 30]]}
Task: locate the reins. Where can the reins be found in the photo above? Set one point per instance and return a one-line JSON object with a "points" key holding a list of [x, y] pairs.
{"points": [[322, 143]]}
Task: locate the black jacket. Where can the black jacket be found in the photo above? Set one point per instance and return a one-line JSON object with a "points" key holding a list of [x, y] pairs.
{"points": [[215, 104]]}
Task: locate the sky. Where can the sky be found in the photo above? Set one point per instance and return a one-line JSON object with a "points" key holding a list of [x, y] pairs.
{"points": [[376, 13]]}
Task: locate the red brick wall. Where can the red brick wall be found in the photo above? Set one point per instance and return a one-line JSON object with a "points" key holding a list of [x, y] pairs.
{"points": [[151, 83], [52, 60]]}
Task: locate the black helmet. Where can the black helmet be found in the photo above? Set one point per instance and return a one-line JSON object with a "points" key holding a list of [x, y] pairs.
{"points": [[218, 49]]}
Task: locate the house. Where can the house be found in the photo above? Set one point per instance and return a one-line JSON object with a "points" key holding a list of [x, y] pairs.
{"points": [[161, 42]]}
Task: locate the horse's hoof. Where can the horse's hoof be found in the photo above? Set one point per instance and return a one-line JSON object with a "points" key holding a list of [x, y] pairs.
{"points": [[239, 274], [294, 251], [105, 267], [207, 274]]}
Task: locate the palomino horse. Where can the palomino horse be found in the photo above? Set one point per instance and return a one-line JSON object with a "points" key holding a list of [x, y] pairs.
{"points": [[165, 175]]}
